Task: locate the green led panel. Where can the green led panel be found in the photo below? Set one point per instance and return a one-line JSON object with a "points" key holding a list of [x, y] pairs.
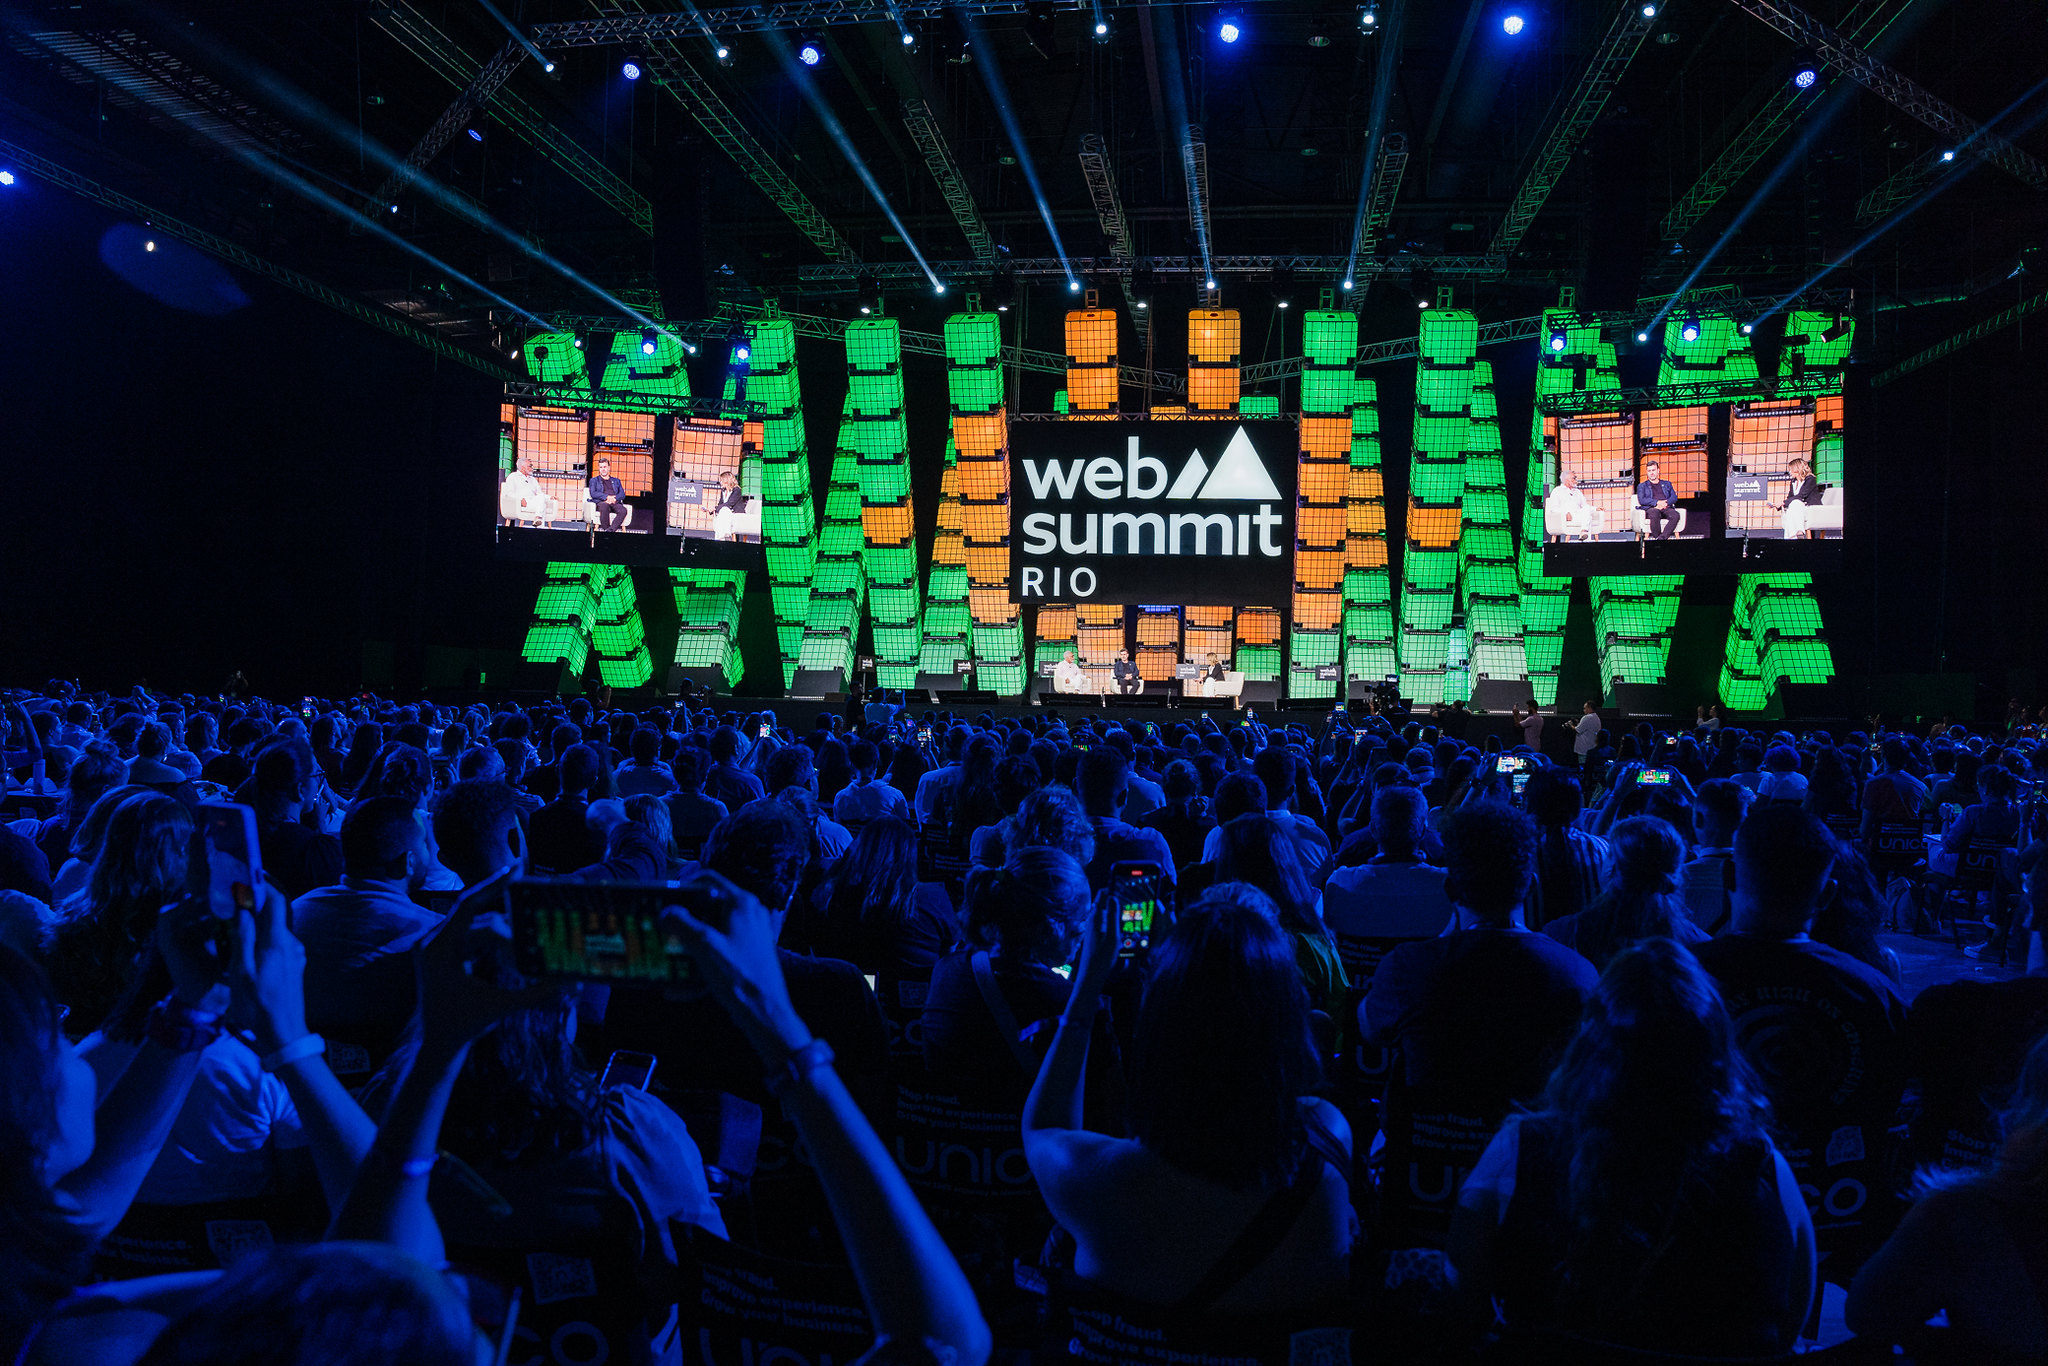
{"points": [[1424, 649], [1429, 570], [1259, 405], [1495, 617], [1544, 651], [948, 583], [1448, 337], [1797, 660], [1425, 609], [873, 346], [554, 358], [1367, 586], [1260, 663], [941, 652], [1371, 662], [632, 371], [617, 634], [1006, 678], [949, 618]]}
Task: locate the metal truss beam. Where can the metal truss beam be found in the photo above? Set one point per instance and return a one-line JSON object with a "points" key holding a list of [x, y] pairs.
{"points": [[1386, 187], [938, 159], [198, 104], [791, 14], [1116, 229], [729, 315], [1194, 165], [1899, 188], [690, 88], [426, 41], [1995, 323], [1400, 348], [1897, 90], [235, 253], [894, 272], [1579, 109], [1816, 384], [474, 97], [1782, 107], [696, 405]]}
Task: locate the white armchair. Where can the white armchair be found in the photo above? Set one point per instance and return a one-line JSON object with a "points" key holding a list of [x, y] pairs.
{"points": [[1800, 519], [1642, 523], [1559, 524], [727, 524], [524, 511]]}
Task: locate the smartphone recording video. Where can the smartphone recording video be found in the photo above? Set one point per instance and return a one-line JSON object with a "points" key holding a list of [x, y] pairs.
{"points": [[1512, 763], [564, 930], [234, 860], [1136, 886], [1655, 777]]}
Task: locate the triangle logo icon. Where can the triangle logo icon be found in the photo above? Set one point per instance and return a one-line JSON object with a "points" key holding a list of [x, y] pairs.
{"points": [[1240, 474], [1188, 482]]}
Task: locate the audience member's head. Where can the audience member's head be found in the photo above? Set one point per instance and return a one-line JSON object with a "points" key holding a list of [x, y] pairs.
{"points": [[1223, 1053], [1718, 812], [1400, 815], [381, 840], [1489, 857], [1240, 794], [1029, 910], [763, 848], [1783, 855], [1103, 782], [1052, 818], [476, 829], [1257, 849]]}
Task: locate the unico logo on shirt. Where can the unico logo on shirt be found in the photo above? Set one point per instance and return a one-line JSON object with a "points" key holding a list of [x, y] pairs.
{"points": [[1212, 525]]}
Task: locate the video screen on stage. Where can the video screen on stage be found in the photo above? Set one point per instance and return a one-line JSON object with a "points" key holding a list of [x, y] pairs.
{"points": [[607, 487], [1753, 485], [1195, 511]]}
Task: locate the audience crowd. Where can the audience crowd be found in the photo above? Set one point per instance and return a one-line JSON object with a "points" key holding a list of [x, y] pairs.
{"points": [[1573, 1042]]}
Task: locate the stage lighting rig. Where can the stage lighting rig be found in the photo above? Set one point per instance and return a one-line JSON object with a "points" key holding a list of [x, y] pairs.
{"points": [[1806, 71], [1557, 341], [647, 343], [810, 51], [1689, 330], [1513, 24], [1229, 26], [1836, 330], [1369, 19], [632, 69]]}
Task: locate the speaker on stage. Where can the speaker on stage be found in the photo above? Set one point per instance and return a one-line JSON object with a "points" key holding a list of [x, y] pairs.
{"points": [[817, 684]]}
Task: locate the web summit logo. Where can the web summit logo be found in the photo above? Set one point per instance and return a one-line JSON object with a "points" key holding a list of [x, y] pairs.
{"points": [[1238, 476]]}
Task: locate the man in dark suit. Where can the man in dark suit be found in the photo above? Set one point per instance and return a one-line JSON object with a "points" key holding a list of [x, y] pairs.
{"points": [[1126, 673], [609, 497], [1659, 502]]}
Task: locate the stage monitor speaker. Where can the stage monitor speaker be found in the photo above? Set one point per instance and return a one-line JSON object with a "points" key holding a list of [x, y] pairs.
{"points": [[817, 684], [1634, 699], [1263, 691], [1499, 694], [701, 680], [958, 698], [1811, 701]]}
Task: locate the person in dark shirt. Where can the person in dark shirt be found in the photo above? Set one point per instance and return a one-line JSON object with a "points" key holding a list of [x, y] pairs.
{"points": [[1659, 503], [1479, 1015], [1103, 784], [730, 499], [297, 857], [1963, 1048], [561, 836], [764, 848], [608, 496], [727, 781], [1126, 673], [1823, 1031], [1187, 818]]}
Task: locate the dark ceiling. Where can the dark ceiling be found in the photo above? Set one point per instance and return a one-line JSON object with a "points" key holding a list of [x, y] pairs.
{"points": [[272, 124]]}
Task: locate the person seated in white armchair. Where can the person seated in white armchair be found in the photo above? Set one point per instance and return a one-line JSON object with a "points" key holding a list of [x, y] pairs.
{"points": [[734, 514], [522, 500], [1570, 511], [1214, 677], [1804, 497], [1126, 674], [1069, 676]]}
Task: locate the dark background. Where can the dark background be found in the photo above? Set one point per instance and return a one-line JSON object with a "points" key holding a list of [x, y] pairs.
{"points": [[279, 488]]}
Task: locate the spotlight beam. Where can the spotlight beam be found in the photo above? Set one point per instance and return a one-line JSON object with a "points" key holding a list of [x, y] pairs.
{"points": [[1585, 101], [1901, 214], [999, 96], [419, 35], [313, 113], [938, 159], [467, 106], [800, 76], [1375, 129], [234, 253], [517, 36], [1902, 93]]}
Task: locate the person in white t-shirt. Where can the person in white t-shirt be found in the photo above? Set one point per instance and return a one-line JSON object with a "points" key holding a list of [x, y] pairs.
{"points": [[521, 499], [1569, 508], [1069, 676], [1587, 738]]}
